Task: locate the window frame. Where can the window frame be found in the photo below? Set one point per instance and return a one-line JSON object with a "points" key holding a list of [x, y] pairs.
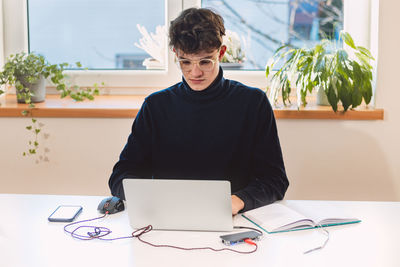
{"points": [[147, 81]]}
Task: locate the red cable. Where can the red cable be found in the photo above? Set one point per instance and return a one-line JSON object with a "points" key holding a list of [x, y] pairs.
{"points": [[249, 241], [148, 228]]}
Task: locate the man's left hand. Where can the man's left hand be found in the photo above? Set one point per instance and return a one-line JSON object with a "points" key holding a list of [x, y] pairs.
{"points": [[237, 204]]}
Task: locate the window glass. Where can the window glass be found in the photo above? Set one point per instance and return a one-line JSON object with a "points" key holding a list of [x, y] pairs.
{"points": [[261, 26], [101, 34]]}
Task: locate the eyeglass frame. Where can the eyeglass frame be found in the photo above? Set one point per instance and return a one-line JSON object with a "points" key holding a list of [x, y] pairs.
{"points": [[214, 59]]}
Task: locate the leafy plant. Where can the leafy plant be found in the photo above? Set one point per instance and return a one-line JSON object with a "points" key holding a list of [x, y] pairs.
{"points": [[343, 74], [22, 70]]}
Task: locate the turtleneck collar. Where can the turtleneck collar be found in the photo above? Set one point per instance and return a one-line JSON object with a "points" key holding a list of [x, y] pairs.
{"points": [[214, 91]]}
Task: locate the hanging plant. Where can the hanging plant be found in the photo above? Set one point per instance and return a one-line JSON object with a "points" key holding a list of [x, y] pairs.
{"points": [[26, 72]]}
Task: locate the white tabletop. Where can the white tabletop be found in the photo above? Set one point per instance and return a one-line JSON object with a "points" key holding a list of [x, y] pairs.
{"points": [[28, 239]]}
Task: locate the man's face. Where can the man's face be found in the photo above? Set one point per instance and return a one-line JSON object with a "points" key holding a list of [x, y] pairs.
{"points": [[200, 69]]}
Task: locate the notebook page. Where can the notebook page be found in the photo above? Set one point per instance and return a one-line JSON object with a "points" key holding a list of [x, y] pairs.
{"points": [[333, 216], [333, 221], [276, 216]]}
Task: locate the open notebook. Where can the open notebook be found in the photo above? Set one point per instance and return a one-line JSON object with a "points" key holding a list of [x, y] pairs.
{"points": [[276, 217]]}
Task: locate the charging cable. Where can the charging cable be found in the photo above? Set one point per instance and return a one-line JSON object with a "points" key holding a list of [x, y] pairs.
{"points": [[100, 233]]}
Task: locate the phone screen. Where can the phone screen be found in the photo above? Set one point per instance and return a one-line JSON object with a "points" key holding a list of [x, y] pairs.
{"points": [[65, 213]]}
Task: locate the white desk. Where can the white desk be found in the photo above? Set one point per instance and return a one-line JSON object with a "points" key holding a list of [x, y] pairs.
{"points": [[28, 239]]}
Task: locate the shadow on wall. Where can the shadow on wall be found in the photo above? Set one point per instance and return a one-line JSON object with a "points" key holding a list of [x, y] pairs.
{"points": [[331, 161]]}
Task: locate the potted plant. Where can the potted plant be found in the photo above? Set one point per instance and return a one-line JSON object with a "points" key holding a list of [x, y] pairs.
{"points": [[342, 74], [234, 55], [28, 73]]}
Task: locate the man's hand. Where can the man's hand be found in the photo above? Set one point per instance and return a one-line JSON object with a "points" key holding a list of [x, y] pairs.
{"points": [[237, 204]]}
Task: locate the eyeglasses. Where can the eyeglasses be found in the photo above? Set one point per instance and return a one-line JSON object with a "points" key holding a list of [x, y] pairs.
{"points": [[205, 64]]}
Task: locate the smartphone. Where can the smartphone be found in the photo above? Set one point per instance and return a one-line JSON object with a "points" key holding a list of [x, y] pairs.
{"points": [[65, 213], [232, 239]]}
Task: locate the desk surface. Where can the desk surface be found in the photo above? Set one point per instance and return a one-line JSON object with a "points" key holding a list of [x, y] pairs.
{"points": [[28, 239]]}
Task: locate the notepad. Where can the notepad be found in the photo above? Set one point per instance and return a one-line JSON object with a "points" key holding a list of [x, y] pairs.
{"points": [[276, 217]]}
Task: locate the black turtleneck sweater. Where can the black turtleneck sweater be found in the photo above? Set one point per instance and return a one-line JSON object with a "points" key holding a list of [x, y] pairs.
{"points": [[225, 132]]}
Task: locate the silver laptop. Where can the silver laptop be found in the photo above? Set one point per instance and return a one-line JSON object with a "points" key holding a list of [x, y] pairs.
{"points": [[179, 204]]}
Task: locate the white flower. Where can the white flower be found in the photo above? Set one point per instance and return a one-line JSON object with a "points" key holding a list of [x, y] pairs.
{"points": [[234, 52], [153, 44]]}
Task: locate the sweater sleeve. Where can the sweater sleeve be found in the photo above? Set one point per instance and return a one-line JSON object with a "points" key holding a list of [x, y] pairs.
{"points": [[135, 158], [269, 182]]}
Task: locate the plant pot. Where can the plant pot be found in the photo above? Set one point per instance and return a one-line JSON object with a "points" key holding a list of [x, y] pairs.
{"points": [[231, 66], [322, 99], [153, 64], [2, 99], [38, 89]]}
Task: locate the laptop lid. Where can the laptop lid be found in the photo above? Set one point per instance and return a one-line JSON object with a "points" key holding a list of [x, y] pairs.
{"points": [[200, 205]]}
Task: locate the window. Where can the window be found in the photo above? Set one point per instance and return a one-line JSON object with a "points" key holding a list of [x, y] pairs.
{"points": [[98, 33], [117, 64], [263, 26], [121, 79]]}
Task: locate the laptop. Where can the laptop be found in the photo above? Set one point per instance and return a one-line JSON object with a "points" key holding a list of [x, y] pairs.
{"points": [[198, 205]]}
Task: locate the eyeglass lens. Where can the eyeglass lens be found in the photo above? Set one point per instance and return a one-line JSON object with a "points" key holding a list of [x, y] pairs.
{"points": [[203, 64]]}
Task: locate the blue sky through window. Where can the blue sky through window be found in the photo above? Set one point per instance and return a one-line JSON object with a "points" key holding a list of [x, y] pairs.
{"points": [[98, 33]]}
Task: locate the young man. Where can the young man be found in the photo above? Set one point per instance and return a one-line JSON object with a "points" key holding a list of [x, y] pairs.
{"points": [[205, 127]]}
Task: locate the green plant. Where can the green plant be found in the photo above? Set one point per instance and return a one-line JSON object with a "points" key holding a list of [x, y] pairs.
{"points": [[344, 74], [22, 70]]}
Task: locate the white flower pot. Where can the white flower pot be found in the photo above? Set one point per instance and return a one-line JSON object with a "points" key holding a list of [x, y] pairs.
{"points": [[231, 66], [322, 99], [153, 64]]}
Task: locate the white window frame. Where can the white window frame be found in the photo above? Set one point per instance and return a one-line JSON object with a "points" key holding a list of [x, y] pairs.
{"points": [[360, 19]]}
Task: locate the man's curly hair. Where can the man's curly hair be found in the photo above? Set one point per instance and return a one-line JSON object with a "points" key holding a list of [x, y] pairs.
{"points": [[196, 30]]}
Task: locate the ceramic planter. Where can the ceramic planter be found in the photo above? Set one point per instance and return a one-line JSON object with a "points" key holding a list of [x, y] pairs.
{"points": [[322, 99], [38, 90]]}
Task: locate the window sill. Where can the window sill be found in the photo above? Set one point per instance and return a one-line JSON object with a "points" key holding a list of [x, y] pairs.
{"points": [[127, 106]]}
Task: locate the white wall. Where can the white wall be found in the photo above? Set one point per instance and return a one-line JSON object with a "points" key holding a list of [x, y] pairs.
{"points": [[344, 160]]}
